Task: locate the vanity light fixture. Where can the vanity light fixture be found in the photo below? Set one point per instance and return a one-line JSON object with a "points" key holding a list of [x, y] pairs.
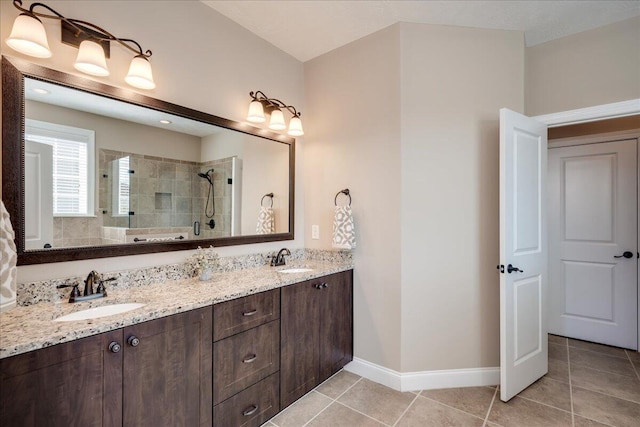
{"points": [[29, 37], [261, 103]]}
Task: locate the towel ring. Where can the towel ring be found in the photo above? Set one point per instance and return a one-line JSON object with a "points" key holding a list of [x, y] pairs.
{"points": [[270, 196], [345, 192]]}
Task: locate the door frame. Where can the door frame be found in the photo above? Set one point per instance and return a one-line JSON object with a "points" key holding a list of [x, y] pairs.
{"points": [[599, 112]]}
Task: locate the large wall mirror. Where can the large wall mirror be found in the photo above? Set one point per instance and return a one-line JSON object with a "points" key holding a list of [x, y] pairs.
{"points": [[93, 171]]}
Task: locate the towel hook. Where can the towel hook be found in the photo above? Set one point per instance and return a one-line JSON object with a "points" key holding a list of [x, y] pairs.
{"points": [[270, 196], [345, 192]]}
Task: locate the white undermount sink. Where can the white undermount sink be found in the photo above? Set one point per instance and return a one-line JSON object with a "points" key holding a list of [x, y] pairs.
{"points": [[103, 311], [295, 270]]}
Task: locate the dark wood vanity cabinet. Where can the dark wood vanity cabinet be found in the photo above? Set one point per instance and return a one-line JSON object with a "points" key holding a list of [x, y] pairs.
{"points": [[316, 333], [246, 360], [156, 373], [167, 371], [78, 383]]}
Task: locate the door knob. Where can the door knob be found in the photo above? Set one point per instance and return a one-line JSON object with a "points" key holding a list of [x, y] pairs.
{"points": [[511, 269], [133, 341], [626, 254]]}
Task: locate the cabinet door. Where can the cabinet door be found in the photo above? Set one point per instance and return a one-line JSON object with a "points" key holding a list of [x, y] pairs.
{"points": [[336, 323], [78, 383], [167, 375], [299, 340]]}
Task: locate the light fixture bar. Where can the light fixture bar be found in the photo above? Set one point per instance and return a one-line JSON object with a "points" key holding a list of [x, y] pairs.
{"points": [[79, 29], [274, 107]]}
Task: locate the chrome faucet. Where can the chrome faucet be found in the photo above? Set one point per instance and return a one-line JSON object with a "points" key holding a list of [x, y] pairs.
{"points": [[92, 279], [278, 260]]}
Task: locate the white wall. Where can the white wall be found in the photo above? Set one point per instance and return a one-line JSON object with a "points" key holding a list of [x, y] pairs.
{"points": [[595, 67], [201, 60], [454, 81], [353, 141]]}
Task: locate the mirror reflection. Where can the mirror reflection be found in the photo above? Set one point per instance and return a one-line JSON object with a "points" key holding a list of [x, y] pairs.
{"points": [[100, 171]]}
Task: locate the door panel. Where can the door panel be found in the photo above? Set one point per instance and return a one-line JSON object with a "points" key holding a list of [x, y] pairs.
{"points": [[523, 343], [593, 218]]}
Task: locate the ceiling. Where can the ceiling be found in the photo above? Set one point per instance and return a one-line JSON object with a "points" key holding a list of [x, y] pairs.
{"points": [[63, 96], [306, 28]]}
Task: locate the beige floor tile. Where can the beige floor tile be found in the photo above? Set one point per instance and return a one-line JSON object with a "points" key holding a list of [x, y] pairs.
{"points": [[600, 361], [600, 348], [302, 410], [579, 421], [338, 384], [558, 370], [425, 412], [338, 415], [555, 339], [605, 409], [558, 352], [377, 401], [522, 412], [474, 400], [268, 424], [604, 382], [633, 355], [551, 392]]}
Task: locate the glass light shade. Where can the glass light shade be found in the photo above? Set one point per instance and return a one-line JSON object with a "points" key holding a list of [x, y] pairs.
{"points": [[277, 120], [139, 74], [29, 37], [256, 112], [91, 59], [295, 127]]}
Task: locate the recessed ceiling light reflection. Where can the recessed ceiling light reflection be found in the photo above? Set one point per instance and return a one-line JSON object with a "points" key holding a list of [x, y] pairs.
{"points": [[165, 122], [41, 91]]}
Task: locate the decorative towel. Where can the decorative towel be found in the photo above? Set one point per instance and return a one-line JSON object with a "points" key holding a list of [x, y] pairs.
{"points": [[8, 260], [266, 221], [344, 233]]}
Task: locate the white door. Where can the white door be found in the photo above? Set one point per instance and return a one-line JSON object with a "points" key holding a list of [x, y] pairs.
{"points": [[523, 252], [593, 221], [38, 195]]}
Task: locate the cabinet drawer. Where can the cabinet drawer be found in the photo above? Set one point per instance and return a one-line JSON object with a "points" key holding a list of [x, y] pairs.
{"points": [[251, 407], [232, 317], [244, 359]]}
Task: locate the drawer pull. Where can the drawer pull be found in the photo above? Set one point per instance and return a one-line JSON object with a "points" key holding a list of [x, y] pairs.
{"points": [[250, 410], [250, 313], [250, 359]]}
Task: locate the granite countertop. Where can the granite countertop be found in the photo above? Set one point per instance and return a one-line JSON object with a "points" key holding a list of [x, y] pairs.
{"points": [[28, 328]]}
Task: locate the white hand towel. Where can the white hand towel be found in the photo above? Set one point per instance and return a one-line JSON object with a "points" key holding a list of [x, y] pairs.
{"points": [[344, 233], [8, 261], [266, 221]]}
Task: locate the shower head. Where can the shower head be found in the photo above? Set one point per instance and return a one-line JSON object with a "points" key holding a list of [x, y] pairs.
{"points": [[206, 175]]}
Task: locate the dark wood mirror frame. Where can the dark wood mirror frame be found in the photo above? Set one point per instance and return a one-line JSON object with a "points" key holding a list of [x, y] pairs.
{"points": [[13, 192]]}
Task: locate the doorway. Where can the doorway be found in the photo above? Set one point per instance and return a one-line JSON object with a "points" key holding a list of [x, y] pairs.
{"points": [[593, 239]]}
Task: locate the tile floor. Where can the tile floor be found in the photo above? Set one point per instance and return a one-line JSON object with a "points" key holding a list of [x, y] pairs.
{"points": [[588, 385]]}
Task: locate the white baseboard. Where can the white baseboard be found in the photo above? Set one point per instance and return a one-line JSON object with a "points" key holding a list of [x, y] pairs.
{"points": [[424, 380]]}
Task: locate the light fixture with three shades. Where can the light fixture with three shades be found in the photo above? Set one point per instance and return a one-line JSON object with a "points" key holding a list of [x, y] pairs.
{"points": [[260, 103], [29, 37]]}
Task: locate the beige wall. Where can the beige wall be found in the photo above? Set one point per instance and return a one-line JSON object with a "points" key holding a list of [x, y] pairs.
{"points": [[201, 60], [353, 141], [120, 135], [594, 67], [454, 81], [407, 118]]}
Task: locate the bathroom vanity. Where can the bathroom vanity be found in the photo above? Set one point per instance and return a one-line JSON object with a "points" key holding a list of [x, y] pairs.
{"points": [[257, 342]]}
